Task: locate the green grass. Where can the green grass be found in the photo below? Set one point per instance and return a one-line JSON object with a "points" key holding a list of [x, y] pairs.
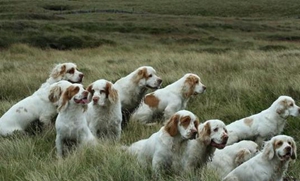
{"points": [[246, 53]]}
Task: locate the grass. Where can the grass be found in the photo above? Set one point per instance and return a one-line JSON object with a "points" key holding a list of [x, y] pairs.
{"points": [[247, 54]]}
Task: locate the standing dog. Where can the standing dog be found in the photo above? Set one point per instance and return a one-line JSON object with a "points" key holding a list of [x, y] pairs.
{"points": [[265, 124], [71, 125], [37, 106], [159, 148], [168, 100], [270, 164], [133, 87], [104, 114]]}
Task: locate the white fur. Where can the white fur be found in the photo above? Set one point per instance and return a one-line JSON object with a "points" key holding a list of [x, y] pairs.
{"points": [[37, 106], [159, 148], [196, 153], [265, 124], [71, 124], [225, 160], [104, 114], [133, 87], [270, 164], [168, 100]]}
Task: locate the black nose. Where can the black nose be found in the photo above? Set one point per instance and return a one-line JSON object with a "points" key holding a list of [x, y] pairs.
{"points": [[204, 87], [288, 149], [159, 81], [81, 75]]}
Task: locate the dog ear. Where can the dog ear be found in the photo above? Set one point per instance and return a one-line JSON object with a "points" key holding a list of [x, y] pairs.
{"points": [[294, 154], [58, 70], [112, 93], [242, 156], [282, 108], [91, 91], [172, 125], [268, 150], [204, 133], [66, 96], [54, 94]]}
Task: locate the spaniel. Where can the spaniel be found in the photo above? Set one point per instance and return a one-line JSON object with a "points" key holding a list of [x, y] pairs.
{"points": [[225, 160], [264, 125], [195, 153], [270, 164], [168, 100], [104, 114], [133, 87], [37, 106], [71, 125], [158, 149]]}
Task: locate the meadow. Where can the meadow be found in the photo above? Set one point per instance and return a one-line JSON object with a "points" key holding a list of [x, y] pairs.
{"points": [[246, 53]]}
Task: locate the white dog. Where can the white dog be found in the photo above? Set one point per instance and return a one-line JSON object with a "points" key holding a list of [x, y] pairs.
{"points": [[225, 160], [168, 100], [265, 124], [133, 87], [197, 152], [158, 149], [37, 106], [104, 114], [71, 125], [270, 164]]}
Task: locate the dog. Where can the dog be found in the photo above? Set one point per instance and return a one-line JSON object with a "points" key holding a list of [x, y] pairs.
{"points": [[133, 87], [264, 125], [37, 107], [270, 164], [158, 149], [195, 153], [168, 100], [104, 114], [71, 125], [228, 158]]}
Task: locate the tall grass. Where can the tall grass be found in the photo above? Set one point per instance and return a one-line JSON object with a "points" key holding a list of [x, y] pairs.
{"points": [[239, 83]]}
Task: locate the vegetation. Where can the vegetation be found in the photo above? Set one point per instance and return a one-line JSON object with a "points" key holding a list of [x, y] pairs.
{"points": [[246, 53]]}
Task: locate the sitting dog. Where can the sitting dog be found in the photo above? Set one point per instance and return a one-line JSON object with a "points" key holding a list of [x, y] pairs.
{"points": [[133, 87], [168, 100], [71, 125], [228, 158], [265, 124], [104, 114], [270, 164], [159, 148], [37, 106]]}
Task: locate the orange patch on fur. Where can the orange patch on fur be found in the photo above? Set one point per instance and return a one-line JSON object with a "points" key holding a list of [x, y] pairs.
{"points": [[192, 81], [171, 125], [277, 144], [111, 92], [151, 100], [185, 121], [68, 94], [55, 94], [142, 73], [248, 121]]}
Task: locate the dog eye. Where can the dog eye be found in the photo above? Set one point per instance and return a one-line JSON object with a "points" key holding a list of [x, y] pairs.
{"points": [[150, 75], [216, 129], [279, 143], [197, 81], [289, 143], [71, 71], [291, 104]]}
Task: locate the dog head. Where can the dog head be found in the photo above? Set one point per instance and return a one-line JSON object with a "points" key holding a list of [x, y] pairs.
{"points": [[245, 150], [56, 90], [192, 85], [184, 123], [102, 91], [280, 147], [66, 71], [145, 76], [213, 132], [74, 95], [285, 106]]}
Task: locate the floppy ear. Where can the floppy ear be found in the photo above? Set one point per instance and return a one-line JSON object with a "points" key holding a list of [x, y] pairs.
{"points": [[191, 82], [282, 108], [67, 95], [91, 92], [294, 154], [171, 126], [58, 70], [112, 93], [141, 73], [54, 94], [204, 133], [242, 155], [268, 151]]}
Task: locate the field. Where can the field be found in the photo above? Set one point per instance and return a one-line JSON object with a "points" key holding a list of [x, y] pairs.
{"points": [[246, 53]]}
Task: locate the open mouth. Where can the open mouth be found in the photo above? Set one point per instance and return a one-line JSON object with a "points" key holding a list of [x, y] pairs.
{"points": [[217, 145], [74, 82], [286, 156], [157, 87], [81, 101]]}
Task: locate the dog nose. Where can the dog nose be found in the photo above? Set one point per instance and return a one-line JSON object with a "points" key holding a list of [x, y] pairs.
{"points": [[288, 149], [204, 88], [95, 99], [81, 75], [194, 130], [159, 80]]}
